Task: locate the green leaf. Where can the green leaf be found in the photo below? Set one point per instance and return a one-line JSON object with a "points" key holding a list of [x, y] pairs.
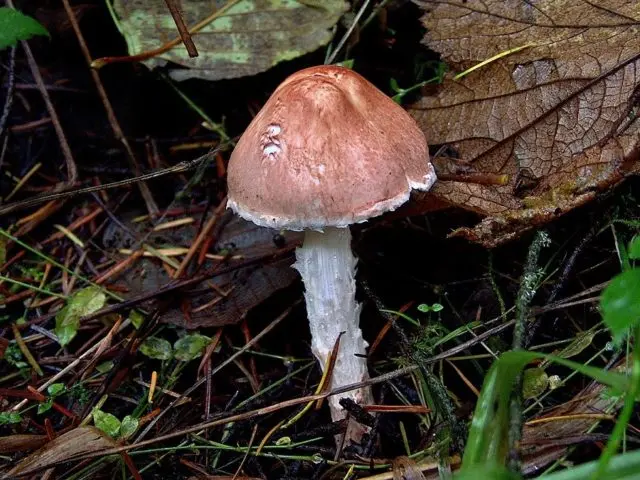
{"points": [[487, 444], [128, 426], [9, 418], [620, 303], [15, 26], [104, 367], [13, 356], [190, 346], [346, 63], [158, 348], [45, 406], [424, 308], [622, 467], [136, 318], [83, 302], [534, 382], [578, 344], [489, 472], [106, 422], [55, 389], [249, 37], [634, 248]]}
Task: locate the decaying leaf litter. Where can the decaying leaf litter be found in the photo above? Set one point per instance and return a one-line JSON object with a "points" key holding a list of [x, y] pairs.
{"points": [[234, 308], [559, 116]]}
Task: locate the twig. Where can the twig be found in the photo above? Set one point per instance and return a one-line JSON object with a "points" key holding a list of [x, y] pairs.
{"points": [[222, 419], [72, 172], [246, 454], [204, 233], [113, 121], [173, 6], [180, 167], [528, 287], [70, 367], [25, 350], [11, 83], [247, 346], [563, 279], [345, 37], [101, 62]]}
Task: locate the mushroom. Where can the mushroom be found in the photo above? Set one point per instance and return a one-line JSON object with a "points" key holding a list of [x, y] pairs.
{"points": [[328, 150]]}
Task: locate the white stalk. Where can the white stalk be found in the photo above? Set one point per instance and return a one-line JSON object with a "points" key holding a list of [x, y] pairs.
{"points": [[328, 270]]}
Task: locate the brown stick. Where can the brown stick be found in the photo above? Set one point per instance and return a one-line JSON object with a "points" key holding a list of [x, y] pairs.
{"points": [[72, 172], [113, 121], [173, 6], [101, 62]]}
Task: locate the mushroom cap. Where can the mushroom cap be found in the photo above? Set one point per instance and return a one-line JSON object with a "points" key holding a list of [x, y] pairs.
{"points": [[328, 149]]}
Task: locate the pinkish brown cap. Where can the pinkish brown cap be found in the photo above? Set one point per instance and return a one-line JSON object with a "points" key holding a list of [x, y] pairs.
{"points": [[328, 149]]}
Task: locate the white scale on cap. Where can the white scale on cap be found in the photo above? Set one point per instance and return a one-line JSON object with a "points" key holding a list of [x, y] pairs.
{"points": [[270, 142]]}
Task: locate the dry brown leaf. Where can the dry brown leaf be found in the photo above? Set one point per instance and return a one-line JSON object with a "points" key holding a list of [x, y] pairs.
{"points": [[225, 299], [558, 117], [568, 424], [21, 443], [405, 468], [66, 447]]}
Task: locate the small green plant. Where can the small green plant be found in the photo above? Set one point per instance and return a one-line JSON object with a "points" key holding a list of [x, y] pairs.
{"points": [[620, 306], [9, 418], [424, 308], [80, 393], [83, 302], [156, 348], [487, 446], [13, 356], [54, 390], [185, 349], [15, 26], [112, 426], [400, 93]]}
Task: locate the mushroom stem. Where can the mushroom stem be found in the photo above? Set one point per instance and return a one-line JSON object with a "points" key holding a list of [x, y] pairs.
{"points": [[328, 270]]}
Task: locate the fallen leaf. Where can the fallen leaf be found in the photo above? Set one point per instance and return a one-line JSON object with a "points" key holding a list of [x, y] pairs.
{"points": [[157, 348], [190, 347], [225, 299], [21, 443], [106, 422], [250, 37], [405, 468], [128, 426], [566, 425], [66, 447], [581, 341], [558, 115], [83, 302]]}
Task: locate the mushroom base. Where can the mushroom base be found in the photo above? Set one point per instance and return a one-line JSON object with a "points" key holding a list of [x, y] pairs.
{"points": [[328, 270]]}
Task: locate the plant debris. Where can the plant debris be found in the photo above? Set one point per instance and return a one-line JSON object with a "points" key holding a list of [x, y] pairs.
{"points": [[558, 117]]}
